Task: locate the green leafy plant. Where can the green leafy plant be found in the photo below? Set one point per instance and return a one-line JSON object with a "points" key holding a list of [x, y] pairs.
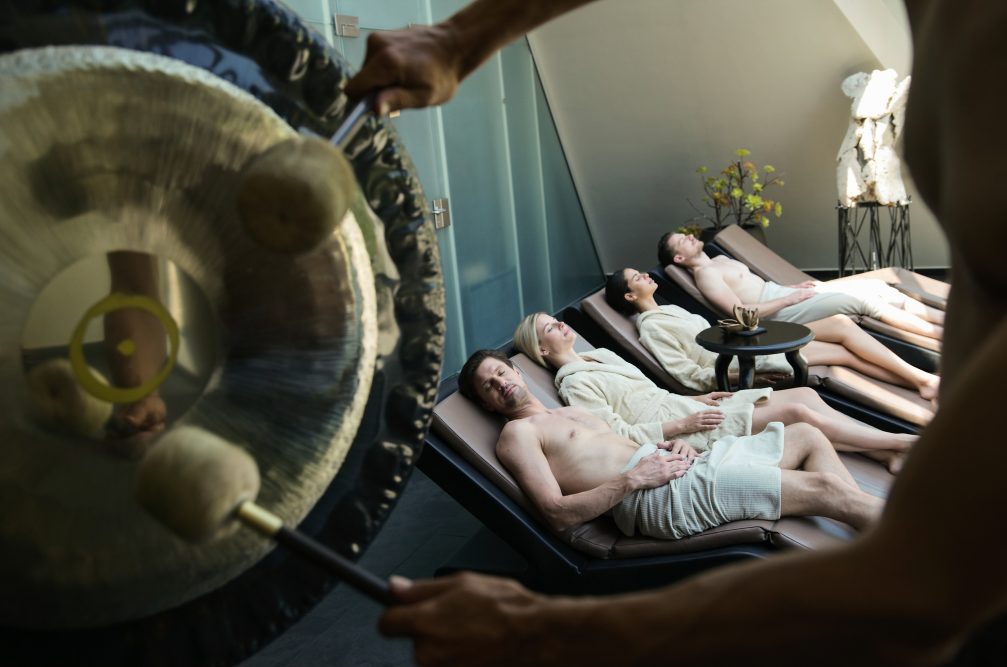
{"points": [[738, 193]]}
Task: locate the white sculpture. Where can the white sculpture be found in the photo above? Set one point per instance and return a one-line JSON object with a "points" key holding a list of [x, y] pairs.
{"points": [[868, 168]]}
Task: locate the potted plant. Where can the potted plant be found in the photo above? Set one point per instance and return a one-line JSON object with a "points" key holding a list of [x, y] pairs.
{"points": [[737, 195]]}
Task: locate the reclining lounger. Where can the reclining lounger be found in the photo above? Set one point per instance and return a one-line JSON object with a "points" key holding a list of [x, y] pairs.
{"points": [[872, 401], [596, 557], [677, 286], [739, 244]]}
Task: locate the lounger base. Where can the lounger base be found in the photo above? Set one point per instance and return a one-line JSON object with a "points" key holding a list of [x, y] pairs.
{"points": [[488, 554]]}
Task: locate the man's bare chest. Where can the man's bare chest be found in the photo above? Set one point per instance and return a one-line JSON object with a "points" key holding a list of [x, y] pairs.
{"points": [[571, 426], [731, 271]]}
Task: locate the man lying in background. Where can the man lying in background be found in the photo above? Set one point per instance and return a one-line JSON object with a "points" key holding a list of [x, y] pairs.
{"points": [[727, 283], [669, 333]]}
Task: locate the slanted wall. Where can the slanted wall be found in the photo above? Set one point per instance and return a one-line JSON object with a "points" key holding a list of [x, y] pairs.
{"points": [[644, 91]]}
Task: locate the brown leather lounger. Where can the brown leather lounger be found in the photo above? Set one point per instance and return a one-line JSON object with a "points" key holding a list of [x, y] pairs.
{"points": [[765, 263], [683, 280], [740, 245], [884, 397], [473, 433]]}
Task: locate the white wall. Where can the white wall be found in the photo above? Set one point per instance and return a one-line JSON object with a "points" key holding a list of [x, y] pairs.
{"points": [[644, 91]]}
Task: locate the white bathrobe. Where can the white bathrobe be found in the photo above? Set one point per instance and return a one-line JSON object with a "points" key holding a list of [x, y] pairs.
{"points": [[669, 333], [618, 392]]}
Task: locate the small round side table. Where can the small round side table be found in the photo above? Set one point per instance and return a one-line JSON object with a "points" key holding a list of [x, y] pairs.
{"points": [[779, 337]]}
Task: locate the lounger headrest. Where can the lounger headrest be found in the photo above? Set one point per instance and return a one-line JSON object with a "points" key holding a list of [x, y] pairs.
{"points": [[623, 330], [682, 279], [759, 257]]}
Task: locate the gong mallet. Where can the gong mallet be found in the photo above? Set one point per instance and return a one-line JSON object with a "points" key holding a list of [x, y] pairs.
{"points": [[291, 196], [201, 487]]}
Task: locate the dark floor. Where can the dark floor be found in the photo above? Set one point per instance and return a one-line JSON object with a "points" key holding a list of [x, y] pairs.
{"points": [[426, 528], [423, 533]]}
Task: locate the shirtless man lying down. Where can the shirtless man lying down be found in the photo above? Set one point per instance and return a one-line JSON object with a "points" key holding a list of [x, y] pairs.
{"points": [[574, 468], [727, 283], [669, 332]]}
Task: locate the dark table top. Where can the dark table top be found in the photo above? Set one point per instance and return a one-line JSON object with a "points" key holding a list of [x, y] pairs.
{"points": [[778, 337]]}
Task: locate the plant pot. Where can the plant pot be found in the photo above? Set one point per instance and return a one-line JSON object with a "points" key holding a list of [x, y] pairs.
{"points": [[706, 234]]}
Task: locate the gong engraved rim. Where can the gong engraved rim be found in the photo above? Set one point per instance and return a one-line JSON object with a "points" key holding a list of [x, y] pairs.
{"points": [[265, 50]]}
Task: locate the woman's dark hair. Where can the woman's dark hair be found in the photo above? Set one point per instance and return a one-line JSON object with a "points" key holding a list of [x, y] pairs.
{"points": [[466, 377], [616, 290]]}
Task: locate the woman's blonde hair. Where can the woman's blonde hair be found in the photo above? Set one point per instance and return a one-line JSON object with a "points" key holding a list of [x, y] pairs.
{"points": [[526, 339]]}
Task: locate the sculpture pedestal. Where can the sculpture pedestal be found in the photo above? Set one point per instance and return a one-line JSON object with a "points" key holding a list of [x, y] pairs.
{"points": [[856, 256]]}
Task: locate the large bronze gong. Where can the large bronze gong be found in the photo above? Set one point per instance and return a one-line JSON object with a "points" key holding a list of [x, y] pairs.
{"points": [[133, 302]]}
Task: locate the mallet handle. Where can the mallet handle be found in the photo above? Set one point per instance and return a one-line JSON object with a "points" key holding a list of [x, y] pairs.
{"points": [[367, 583], [351, 124], [265, 522]]}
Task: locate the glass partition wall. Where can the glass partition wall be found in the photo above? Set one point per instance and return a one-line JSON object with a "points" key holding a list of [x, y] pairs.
{"points": [[517, 241]]}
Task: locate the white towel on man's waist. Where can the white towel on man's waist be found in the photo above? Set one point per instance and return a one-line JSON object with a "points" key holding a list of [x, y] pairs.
{"points": [[738, 478], [845, 297]]}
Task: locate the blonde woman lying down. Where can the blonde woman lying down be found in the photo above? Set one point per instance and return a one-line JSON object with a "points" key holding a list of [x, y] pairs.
{"points": [[635, 407]]}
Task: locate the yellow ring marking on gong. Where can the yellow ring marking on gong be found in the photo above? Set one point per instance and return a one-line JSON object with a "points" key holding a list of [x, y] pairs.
{"points": [[87, 379]]}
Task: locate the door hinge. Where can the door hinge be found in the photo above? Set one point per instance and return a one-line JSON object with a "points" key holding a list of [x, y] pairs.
{"points": [[346, 26], [442, 214]]}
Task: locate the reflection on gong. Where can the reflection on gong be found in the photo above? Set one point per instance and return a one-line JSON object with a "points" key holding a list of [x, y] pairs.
{"points": [[117, 347]]}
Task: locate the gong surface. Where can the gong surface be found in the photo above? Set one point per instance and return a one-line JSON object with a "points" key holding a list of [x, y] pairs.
{"points": [[297, 335], [280, 381]]}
